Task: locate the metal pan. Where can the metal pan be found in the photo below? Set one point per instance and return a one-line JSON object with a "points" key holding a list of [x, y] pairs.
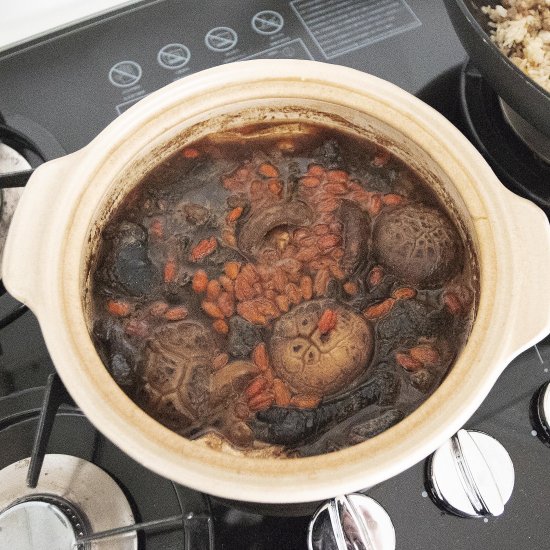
{"points": [[521, 93]]}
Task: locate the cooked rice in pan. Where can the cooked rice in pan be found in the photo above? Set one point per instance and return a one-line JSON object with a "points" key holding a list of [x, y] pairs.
{"points": [[521, 29]]}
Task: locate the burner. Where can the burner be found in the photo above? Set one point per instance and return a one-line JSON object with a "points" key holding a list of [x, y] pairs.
{"points": [[28, 524], [516, 165], [72, 499], [471, 475], [169, 516]]}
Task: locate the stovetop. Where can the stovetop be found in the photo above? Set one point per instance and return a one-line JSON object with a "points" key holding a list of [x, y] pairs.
{"points": [[100, 69], [63, 89]]}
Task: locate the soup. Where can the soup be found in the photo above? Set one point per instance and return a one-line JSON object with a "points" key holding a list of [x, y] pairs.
{"points": [[287, 289]]}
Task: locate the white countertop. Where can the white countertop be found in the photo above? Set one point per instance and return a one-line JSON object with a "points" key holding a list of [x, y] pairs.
{"points": [[21, 20]]}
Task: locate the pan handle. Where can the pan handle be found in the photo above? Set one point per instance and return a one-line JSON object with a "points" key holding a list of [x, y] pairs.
{"points": [[531, 268], [26, 252]]}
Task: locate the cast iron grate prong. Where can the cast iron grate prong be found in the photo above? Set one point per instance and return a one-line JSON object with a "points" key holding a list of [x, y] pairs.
{"points": [[153, 525], [13, 314], [15, 179], [17, 140], [55, 395]]}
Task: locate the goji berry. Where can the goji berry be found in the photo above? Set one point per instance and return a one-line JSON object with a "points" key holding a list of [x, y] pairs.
{"points": [[327, 321], [203, 249]]}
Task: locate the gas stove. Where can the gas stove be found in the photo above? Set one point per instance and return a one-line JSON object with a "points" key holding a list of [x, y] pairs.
{"points": [[60, 90]]}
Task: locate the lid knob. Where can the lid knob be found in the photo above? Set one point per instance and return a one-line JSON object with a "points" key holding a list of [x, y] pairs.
{"points": [[471, 475], [351, 521]]}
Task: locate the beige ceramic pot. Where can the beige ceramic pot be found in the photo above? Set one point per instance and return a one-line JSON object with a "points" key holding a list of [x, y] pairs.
{"points": [[54, 233]]}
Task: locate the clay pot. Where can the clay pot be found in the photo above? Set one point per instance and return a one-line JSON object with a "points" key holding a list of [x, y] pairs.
{"points": [[54, 235]]}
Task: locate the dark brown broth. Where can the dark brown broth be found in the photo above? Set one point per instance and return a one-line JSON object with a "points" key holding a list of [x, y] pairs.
{"points": [[339, 290]]}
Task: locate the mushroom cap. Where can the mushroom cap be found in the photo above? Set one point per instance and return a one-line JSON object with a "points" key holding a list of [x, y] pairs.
{"points": [[418, 244], [176, 372], [323, 364], [284, 214]]}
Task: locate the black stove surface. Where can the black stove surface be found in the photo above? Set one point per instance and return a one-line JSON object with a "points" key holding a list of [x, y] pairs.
{"points": [[67, 87], [74, 83]]}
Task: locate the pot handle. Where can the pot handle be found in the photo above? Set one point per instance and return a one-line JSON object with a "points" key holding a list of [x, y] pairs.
{"points": [[531, 246], [26, 250]]}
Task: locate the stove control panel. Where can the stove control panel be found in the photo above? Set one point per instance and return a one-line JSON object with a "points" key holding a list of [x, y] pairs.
{"points": [[85, 76]]}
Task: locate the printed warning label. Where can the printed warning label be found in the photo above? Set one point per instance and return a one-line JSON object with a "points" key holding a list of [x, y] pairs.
{"points": [[341, 26], [294, 49]]}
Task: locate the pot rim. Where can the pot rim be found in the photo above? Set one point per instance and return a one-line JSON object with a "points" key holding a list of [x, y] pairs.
{"points": [[276, 480]]}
